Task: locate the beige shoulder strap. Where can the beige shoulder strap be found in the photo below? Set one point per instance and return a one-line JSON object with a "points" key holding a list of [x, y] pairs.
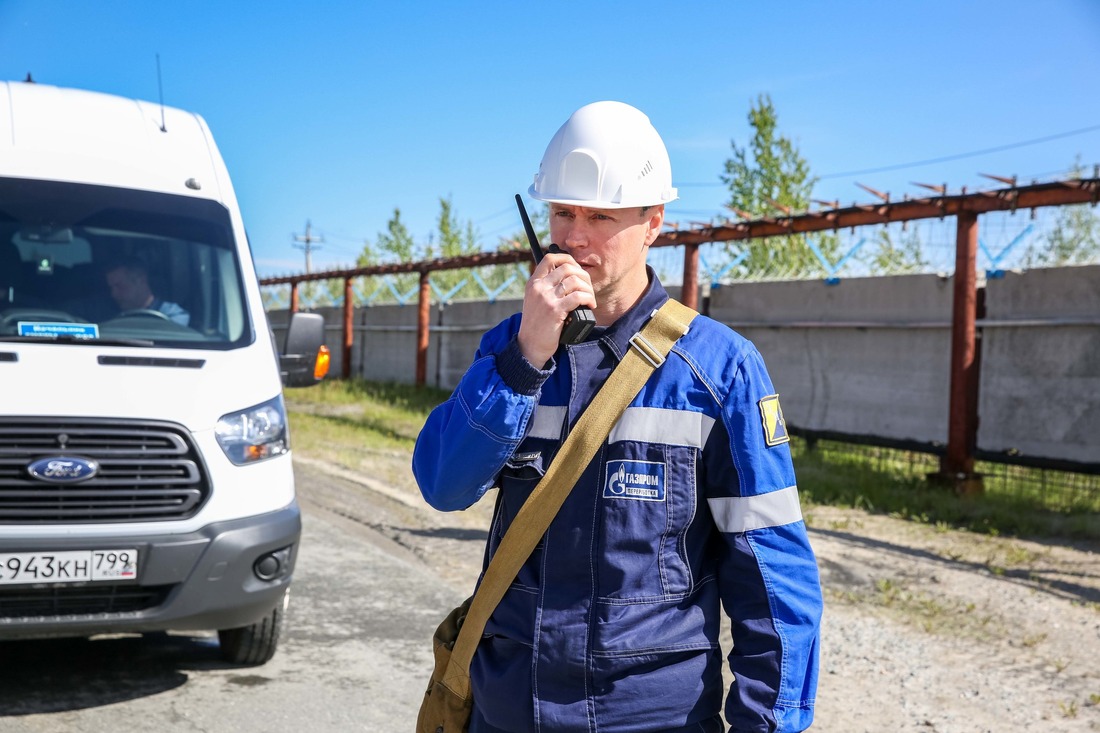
{"points": [[649, 348]]}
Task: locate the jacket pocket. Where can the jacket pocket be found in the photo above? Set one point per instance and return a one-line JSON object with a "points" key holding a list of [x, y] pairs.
{"points": [[647, 493], [657, 690], [500, 672], [519, 477], [664, 656]]}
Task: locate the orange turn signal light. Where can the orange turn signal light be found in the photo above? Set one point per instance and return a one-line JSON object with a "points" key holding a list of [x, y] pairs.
{"points": [[320, 367]]}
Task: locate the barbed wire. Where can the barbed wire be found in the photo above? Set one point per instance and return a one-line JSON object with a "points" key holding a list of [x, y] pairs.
{"points": [[1007, 241]]}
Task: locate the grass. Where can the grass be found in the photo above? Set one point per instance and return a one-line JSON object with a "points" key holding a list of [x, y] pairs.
{"points": [[893, 482], [355, 412], [934, 614], [342, 419]]}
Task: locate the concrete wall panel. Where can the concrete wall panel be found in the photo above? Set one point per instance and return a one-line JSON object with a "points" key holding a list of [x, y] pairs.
{"points": [[388, 339], [871, 358], [867, 356], [1040, 376], [463, 324]]}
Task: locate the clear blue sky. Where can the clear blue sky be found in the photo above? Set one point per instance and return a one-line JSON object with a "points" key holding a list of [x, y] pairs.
{"points": [[338, 112]]}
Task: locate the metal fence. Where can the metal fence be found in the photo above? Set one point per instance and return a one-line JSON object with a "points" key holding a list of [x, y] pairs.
{"points": [[1064, 491], [1020, 228], [1009, 240]]}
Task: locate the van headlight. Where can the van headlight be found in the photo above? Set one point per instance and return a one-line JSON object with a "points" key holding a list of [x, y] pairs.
{"points": [[254, 434]]}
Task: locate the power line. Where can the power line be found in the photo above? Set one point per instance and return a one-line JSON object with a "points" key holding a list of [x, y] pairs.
{"points": [[507, 210], [958, 156], [914, 164]]}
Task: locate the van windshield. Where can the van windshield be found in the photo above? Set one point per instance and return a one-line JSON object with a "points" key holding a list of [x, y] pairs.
{"points": [[95, 264]]}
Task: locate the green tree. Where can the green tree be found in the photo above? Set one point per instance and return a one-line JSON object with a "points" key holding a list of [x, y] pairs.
{"points": [[898, 255], [517, 273], [767, 178], [1075, 237], [540, 222], [367, 257], [395, 244], [454, 241]]}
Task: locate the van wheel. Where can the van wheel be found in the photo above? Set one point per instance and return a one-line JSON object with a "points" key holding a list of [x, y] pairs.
{"points": [[256, 643]]}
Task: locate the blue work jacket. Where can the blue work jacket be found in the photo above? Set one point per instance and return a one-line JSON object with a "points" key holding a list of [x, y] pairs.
{"points": [[690, 506]]}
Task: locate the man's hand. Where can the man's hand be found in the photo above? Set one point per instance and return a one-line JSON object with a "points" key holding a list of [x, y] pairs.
{"points": [[556, 287]]}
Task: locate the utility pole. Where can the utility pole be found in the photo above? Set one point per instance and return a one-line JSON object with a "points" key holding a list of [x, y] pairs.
{"points": [[307, 244]]}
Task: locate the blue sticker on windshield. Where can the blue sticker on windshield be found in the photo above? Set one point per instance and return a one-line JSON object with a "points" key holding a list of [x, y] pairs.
{"points": [[51, 330]]}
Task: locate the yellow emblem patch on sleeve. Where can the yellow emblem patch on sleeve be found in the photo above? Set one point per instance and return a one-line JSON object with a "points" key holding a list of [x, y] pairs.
{"points": [[775, 429]]}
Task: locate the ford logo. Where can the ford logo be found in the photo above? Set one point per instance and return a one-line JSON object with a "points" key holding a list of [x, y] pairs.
{"points": [[63, 469]]}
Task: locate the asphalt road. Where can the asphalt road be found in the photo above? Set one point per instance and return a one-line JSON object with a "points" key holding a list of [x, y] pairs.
{"points": [[355, 653]]}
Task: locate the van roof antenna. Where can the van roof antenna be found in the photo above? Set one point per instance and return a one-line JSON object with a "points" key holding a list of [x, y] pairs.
{"points": [[160, 90]]}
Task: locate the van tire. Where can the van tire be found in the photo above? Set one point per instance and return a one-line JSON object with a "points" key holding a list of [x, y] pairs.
{"points": [[254, 644]]}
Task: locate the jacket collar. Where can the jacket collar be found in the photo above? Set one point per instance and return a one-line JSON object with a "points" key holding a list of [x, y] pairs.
{"points": [[617, 336]]}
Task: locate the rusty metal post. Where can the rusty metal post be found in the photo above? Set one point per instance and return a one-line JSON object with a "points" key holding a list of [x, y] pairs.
{"points": [[957, 464], [689, 293], [349, 332], [294, 296], [423, 328]]}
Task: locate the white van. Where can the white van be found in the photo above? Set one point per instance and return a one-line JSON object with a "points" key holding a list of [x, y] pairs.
{"points": [[145, 470]]}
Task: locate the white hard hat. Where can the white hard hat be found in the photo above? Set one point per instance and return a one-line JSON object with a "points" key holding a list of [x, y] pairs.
{"points": [[607, 155]]}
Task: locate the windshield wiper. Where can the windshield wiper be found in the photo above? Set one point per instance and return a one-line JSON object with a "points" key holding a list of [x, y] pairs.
{"points": [[75, 341]]}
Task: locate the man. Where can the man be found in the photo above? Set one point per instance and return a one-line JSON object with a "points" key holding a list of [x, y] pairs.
{"points": [[689, 507], [129, 284]]}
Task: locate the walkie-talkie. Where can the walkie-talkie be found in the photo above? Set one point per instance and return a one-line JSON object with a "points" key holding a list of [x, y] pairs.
{"points": [[581, 320]]}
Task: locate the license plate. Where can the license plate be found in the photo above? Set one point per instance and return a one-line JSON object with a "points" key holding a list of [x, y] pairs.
{"points": [[70, 566]]}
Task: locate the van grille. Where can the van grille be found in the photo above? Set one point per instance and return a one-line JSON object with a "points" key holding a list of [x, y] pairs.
{"points": [[81, 600], [147, 471]]}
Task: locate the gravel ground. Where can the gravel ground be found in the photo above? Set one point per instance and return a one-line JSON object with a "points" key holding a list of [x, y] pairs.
{"points": [[925, 629], [941, 630]]}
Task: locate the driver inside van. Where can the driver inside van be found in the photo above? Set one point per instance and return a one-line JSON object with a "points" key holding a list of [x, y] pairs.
{"points": [[128, 280]]}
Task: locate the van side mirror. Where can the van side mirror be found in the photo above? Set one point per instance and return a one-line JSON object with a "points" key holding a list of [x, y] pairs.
{"points": [[304, 359]]}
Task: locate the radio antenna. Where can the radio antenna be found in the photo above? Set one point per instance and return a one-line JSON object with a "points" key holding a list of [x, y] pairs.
{"points": [[160, 91]]}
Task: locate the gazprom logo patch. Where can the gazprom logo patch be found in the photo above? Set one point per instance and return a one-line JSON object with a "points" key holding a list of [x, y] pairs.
{"points": [[641, 480]]}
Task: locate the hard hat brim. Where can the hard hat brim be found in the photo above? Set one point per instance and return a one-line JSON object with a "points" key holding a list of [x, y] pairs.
{"points": [[597, 204]]}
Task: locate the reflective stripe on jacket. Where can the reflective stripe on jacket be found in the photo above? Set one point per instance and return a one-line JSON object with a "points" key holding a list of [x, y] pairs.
{"points": [[689, 507]]}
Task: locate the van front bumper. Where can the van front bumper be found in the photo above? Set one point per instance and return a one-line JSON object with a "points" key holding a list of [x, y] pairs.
{"points": [[225, 575]]}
